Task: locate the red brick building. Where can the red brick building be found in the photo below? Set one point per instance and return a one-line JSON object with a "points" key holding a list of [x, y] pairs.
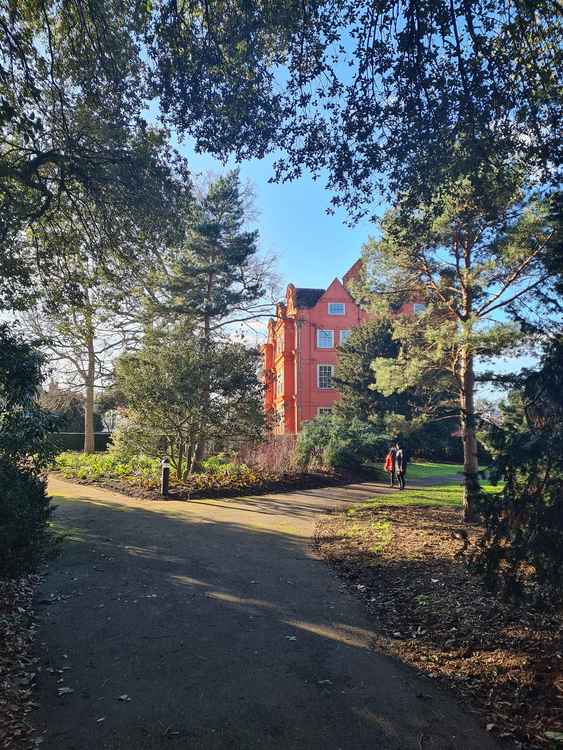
{"points": [[301, 351]]}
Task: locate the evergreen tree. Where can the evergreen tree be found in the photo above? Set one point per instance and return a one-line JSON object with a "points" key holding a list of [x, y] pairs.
{"points": [[469, 263], [173, 385], [424, 415], [354, 375], [214, 279], [522, 548]]}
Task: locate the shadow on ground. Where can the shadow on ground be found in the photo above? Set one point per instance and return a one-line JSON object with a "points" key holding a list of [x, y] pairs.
{"points": [[218, 629]]}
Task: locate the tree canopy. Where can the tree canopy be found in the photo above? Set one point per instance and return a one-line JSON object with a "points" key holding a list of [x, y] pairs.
{"points": [[172, 387], [73, 89], [382, 97]]}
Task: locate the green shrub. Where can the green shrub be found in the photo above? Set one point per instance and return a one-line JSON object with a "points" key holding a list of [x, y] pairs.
{"points": [[129, 440], [140, 469], [25, 452], [332, 442], [24, 513], [216, 464]]}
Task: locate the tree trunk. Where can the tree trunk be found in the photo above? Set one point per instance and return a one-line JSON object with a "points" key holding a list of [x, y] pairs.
{"points": [[469, 435], [89, 437]]}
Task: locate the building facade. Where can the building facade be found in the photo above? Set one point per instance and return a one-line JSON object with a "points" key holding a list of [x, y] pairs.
{"points": [[300, 355], [301, 352]]}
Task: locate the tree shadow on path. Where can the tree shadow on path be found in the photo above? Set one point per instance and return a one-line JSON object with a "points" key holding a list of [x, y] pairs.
{"points": [[222, 631]]}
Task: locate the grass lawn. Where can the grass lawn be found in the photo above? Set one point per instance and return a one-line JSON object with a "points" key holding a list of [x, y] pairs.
{"points": [[439, 495], [431, 470]]}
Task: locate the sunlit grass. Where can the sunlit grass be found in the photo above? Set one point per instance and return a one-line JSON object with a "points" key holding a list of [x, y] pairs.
{"points": [[438, 496], [383, 533], [418, 470]]}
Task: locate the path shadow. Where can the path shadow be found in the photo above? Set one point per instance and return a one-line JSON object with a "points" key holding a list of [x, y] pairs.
{"points": [[216, 634]]}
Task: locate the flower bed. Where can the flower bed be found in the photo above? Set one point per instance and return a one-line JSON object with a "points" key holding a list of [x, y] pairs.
{"points": [[140, 476], [138, 470]]}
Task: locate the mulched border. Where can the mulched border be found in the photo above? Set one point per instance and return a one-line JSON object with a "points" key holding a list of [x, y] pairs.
{"points": [[431, 612], [18, 665]]}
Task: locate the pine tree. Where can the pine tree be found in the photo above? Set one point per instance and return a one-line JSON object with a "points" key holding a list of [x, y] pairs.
{"points": [[215, 279], [470, 263]]}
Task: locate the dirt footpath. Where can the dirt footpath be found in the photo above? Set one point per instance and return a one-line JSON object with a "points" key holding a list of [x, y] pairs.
{"points": [[210, 625]]}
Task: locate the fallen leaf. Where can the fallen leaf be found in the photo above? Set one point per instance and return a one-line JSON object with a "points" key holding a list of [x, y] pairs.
{"points": [[125, 698]]}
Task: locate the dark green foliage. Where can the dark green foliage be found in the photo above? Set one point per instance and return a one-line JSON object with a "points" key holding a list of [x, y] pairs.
{"points": [[212, 276], [72, 94], [74, 441], [435, 441], [415, 415], [354, 375], [172, 384], [333, 442], [522, 549], [24, 513], [24, 453]]}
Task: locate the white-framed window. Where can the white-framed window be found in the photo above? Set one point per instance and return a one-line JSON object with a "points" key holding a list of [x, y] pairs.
{"points": [[279, 341], [418, 308], [280, 418], [336, 308], [325, 339], [325, 374], [324, 411], [344, 336], [279, 384]]}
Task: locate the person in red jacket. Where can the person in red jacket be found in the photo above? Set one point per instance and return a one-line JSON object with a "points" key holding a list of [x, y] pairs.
{"points": [[390, 465]]}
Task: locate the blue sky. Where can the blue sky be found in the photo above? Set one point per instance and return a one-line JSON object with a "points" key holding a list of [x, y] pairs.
{"points": [[311, 247]]}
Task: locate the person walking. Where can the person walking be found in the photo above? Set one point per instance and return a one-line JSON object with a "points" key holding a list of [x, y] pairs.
{"points": [[400, 465], [390, 465]]}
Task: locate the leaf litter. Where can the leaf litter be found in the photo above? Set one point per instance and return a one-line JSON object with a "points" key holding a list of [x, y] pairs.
{"points": [[432, 613], [18, 666]]}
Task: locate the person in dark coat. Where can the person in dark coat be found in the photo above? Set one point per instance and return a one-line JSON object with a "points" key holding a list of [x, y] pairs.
{"points": [[400, 465]]}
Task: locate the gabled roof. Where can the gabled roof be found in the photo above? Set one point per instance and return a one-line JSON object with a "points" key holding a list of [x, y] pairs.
{"points": [[307, 297], [337, 286]]}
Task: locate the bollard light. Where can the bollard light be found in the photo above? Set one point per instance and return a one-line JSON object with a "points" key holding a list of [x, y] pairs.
{"points": [[165, 477]]}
